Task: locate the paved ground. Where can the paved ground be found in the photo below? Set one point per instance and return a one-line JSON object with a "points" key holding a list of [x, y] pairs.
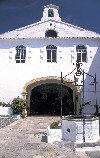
{"points": [[26, 138], [6, 120]]}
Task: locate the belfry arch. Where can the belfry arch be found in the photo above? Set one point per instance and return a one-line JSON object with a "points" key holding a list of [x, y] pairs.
{"points": [[34, 85]]}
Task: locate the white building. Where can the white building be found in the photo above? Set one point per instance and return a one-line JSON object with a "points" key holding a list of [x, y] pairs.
{"points": [[33, 57]]}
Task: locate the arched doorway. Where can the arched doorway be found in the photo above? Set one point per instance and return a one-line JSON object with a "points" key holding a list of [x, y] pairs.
{"points": [[43, 97], [45, 100]]}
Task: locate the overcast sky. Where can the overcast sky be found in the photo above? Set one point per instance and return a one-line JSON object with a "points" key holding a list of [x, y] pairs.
{"points": [[18, 13]]}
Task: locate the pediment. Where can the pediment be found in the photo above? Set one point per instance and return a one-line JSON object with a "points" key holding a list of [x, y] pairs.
{"points": [[37, 30]]}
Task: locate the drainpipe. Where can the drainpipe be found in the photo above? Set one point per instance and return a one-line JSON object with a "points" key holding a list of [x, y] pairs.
{"points": [[61, 93], [83, 130]]}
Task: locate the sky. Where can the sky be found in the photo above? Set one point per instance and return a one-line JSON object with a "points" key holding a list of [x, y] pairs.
{"points": [[19, 13]]}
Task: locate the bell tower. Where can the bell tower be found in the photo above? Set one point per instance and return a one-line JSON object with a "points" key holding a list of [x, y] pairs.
{"points": [[51, 12]]}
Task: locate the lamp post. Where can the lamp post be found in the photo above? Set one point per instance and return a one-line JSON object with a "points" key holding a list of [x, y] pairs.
{"points": [[82, 72], [78, 73]]}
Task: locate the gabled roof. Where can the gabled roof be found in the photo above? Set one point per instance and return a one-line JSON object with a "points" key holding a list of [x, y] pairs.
{"points": [[37, 30]]}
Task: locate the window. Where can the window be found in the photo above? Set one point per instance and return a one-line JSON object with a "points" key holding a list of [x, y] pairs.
{"points": [[81, 53], [51, 53], [51, 33], [20, 54], [50, 13]]}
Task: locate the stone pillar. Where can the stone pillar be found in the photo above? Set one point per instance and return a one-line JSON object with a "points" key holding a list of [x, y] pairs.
{"points": [[24, 95]]}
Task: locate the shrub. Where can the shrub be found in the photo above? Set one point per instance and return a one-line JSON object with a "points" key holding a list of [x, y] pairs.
{"points": [[54, 125], [23, 114], [18, 105]]}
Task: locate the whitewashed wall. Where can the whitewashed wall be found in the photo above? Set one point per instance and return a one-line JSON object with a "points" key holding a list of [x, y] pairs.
{"points": [[13, 76], [6, 111]]}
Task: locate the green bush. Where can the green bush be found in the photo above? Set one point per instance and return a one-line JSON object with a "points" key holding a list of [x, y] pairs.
{"points": [[54, 125], [23, 114], [18, 105]]}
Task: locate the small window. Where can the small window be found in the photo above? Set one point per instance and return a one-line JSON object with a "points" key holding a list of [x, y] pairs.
{"points": [[50, 13], [81, 53], [20, 54], [51, 33], [51, 53]]}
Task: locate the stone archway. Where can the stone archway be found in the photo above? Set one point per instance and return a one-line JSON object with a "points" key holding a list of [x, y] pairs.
{"points": [[51, 80]]}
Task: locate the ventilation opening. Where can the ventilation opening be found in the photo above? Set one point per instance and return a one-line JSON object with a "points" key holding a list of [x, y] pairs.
{"points": [[51, 33]]}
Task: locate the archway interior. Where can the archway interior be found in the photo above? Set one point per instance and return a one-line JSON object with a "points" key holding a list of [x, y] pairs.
{"points": [[45, 100]]}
